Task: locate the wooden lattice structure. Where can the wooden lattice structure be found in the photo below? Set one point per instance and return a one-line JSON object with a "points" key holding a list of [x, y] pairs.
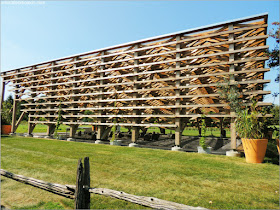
{"points": [[168, 79]]}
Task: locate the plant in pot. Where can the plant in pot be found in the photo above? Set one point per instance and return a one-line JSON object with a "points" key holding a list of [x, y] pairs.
{"points": [[248, 124], [203, 147], [249, 128], [6, 117]]}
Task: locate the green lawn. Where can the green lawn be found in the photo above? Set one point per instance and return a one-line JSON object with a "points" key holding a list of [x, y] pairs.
{"points": [[40, 128], [189, 178]]}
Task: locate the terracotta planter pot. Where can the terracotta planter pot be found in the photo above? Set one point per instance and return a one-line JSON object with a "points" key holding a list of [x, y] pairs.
{"points": [[6, 129], [278, 145], [254, 149]]}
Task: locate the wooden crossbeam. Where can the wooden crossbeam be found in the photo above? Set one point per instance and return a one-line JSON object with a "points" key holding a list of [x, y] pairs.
{"points": [[190, 39]]}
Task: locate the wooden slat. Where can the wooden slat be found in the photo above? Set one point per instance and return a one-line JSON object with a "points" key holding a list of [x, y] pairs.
{"points": [[158, 80], [195, 38], [151, 98], [122, 108], [160, 62], [168, 52], [143, 124], [109, 124]]}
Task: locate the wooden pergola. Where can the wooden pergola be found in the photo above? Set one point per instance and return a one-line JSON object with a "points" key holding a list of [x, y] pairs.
{"points": [[167, 79]]}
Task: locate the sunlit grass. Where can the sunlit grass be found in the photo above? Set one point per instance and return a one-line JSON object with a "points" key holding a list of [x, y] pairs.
{"points": [[190, 131], [189, 178]]}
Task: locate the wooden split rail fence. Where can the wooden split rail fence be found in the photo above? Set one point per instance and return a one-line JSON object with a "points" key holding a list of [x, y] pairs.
{"points": [[81, 191]]}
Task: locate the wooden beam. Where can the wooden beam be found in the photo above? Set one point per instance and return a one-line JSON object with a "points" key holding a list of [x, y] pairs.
{"points": [[143, 124], [135, 130], [19, 120], [166, 61], [100, 128], [194, 38], [182, 68], [137, 82], [31, 126], [144, 107], [154, 55], [73, 129], [111, 124], [2, 93], [185, 49], [50, 129], [232, 81], [14, 114], [151, 98], [178, 135]]}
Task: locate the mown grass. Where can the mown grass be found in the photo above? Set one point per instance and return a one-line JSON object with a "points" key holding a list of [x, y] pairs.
{"points": [[189, 178], [40, 128]]}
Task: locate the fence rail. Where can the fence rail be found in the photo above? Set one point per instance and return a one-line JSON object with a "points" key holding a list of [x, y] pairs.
{"points": [[58, 189], [82, 194]]}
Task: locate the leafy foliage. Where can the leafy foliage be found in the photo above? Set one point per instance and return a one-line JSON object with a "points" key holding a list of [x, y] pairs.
{"points": [[59, 120], [231, 94], [114, 128], [248, 124], [274, 53], [6, 111], [202, 142], [87, 119]]}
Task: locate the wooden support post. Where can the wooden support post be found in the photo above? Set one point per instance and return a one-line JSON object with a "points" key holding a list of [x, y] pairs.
{"points": [[31, 127], [232, 80], [105, 133], [82, 194], [19, 120], [14, 115], [178, 133], [100, 128], [79, 192], [73, 129], [2, 93], [221, 127], [135, 130], [50, 129], [86, 183]]}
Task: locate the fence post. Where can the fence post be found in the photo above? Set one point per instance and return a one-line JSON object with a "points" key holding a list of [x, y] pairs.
{"points": [[86, 183], [79, 192], [82, 195]]}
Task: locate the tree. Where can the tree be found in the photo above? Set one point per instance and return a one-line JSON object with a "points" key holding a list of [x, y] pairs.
{"points": [[6, 111], [274, 53]]}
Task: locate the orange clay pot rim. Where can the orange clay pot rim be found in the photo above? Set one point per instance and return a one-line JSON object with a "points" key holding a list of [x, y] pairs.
{"points": [[253, 139]]}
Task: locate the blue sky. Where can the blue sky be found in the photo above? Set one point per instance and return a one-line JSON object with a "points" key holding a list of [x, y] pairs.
{"points": [[32, 33]]}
